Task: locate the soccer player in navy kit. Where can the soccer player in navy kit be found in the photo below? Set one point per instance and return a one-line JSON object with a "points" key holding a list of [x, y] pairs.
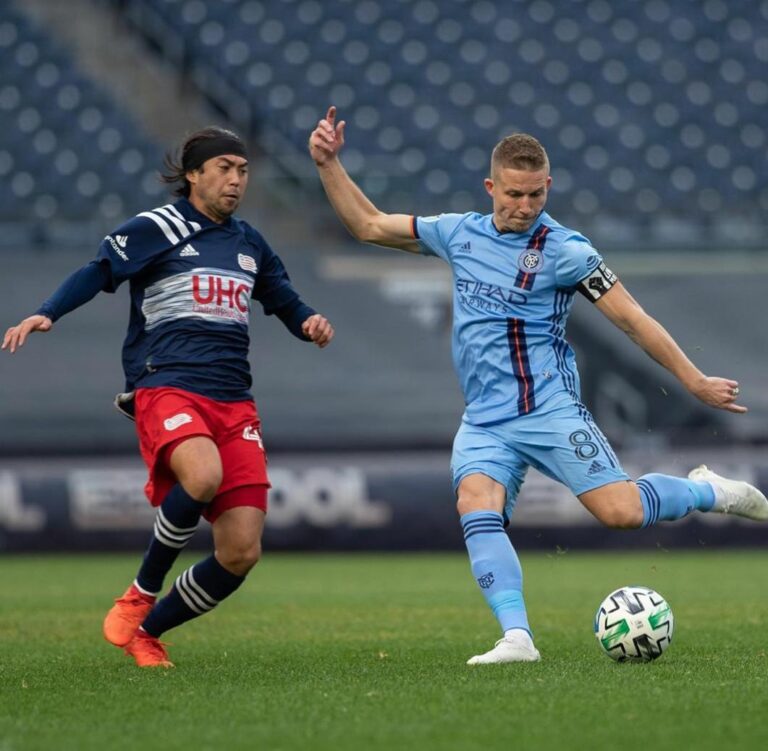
{"points": [[193, 270], [515, 272]]}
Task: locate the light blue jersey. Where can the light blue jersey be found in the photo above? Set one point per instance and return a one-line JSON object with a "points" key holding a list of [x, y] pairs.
{"points": [[512, 293]]}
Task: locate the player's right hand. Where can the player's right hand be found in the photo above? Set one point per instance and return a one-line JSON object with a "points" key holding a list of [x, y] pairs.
{"points": [[17, 335], [327, 138]]}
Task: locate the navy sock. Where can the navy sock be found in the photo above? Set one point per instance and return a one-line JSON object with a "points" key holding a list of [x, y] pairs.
{"points": [[666, 498], [496, 567], [175, 524], [198, 590]]}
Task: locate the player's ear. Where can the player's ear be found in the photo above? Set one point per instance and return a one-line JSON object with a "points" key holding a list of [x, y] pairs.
{"points": [[488, 185]]}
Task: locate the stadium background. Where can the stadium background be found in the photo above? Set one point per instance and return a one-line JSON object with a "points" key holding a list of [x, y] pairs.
{"points": [[653, 114]]}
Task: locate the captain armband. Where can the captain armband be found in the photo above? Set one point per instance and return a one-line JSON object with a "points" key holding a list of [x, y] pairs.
{"points": [[594, 286]]}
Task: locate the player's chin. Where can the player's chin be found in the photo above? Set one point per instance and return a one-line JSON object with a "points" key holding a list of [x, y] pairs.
{"points": [[228, 206]]}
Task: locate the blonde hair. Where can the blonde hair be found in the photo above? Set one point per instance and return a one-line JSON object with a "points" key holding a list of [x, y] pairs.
{"points": [[519, 151]]}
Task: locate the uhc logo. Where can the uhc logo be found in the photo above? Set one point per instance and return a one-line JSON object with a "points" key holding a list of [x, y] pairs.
{"points": [[214, 290], [201, 293]]}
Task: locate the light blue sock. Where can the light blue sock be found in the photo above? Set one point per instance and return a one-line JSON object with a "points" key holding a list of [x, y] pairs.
{"points": [[496, 567], [666, 498]]}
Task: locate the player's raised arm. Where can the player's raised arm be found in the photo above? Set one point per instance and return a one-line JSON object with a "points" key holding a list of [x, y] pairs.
{"points": [[624, 311], [358, 214]]}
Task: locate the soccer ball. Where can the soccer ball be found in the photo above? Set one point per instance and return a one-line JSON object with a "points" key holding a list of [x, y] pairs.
{"points": [[634, 624]]}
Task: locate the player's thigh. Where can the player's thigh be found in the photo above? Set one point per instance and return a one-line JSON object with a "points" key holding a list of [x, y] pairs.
{"points": [[484, 457], [197, 465], [566, 445], [167, 418]]}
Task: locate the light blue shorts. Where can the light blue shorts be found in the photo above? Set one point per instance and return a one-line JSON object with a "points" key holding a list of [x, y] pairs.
{"points": [[563, 443]]}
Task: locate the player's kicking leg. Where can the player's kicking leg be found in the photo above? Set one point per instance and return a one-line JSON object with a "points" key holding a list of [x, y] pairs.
{"points": [[496, 568]]}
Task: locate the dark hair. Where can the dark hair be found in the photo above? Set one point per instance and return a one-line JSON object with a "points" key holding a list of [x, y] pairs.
{"points": [[519, 151], [187, 157]]}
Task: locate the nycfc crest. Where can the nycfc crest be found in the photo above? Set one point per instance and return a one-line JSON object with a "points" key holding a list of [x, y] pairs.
{"points": [[486, 580], [529, 261]]}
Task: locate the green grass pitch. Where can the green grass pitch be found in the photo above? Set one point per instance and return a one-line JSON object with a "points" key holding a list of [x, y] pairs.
{"points": [[368, 652]]}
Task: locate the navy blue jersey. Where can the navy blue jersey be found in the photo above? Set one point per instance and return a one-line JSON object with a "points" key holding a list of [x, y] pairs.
{"points": [[191, 285]]}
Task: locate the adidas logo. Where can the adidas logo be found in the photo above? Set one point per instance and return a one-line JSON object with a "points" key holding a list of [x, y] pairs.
{"points": [[187, 251], [466, 247], [121, 240], [595, 467]]}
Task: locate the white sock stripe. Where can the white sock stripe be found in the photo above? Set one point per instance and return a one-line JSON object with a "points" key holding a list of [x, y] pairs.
{"points": [[190, 595], [199, 591], [172, 541], [190, 604], [172, 528], [144, 591], [160, 222]]}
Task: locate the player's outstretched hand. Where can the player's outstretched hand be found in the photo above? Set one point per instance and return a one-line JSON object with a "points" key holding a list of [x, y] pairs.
{"points": [[318, 329], [719, 392], [17, 335], [327, 138]]}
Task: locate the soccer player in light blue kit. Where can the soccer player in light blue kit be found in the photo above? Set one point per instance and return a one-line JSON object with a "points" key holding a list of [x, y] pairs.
{"points": [[515, 273]]}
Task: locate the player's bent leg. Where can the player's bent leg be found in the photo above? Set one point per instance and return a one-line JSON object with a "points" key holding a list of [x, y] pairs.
{"points": [[198, 590], [196, 459], [657, 497], [496, 567], [616, 505], [732, 496]]}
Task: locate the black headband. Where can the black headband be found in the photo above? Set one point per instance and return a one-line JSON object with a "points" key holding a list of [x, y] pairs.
{"points": [[208, 148]]}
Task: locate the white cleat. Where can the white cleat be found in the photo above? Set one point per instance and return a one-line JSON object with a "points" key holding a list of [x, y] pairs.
{"points": [[733, 496], [517, 646]]}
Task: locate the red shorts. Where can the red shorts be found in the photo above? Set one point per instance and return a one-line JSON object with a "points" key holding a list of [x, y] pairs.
{"points": [[165, 417]]}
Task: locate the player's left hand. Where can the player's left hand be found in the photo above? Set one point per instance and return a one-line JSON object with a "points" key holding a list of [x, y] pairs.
{"points": [[719, 392], [318, 329]]}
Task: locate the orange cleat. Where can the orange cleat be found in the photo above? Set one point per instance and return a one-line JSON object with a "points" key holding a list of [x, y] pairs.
{"points": [[126, 615], [148, 651]]}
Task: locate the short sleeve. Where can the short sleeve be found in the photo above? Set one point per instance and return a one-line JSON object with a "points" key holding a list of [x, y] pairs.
{"points": [[434, 233], [131, 248], [576, 260]]}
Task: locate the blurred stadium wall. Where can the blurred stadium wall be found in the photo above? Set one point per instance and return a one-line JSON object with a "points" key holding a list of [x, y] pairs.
{"points": [[653, 113]]}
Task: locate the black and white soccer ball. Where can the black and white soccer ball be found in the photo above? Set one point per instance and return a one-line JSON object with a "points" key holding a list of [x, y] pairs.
{"points": [[634, 624]]}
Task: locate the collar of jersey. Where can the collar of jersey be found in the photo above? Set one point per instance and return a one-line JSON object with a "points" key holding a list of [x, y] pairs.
{"points": [[529, 231], [188, 211]]}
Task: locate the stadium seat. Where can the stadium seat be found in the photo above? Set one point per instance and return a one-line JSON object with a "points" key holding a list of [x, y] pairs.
{"points": [[59, 130]]}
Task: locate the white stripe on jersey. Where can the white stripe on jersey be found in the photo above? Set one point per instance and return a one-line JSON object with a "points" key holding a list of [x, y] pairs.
{"points": [[195, 226], [208, 294], [160, 222], [181, 227]]}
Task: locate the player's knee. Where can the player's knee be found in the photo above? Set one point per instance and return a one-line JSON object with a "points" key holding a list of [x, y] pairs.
{"points": [[203, 483], [469, 502], [621, 516], [239, 558]]}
